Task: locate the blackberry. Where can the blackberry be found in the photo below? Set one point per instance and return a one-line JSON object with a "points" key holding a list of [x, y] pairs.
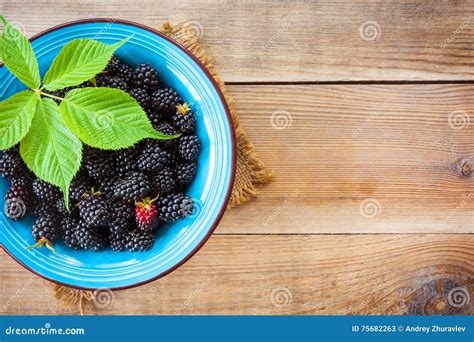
{"points": [[107, 185], [111, 82], [79, 186], [122, 216], [145, 77], [91, 238], [119, 69], [126, 160], [15, 203], [46, 228], [10, 163], [165, 100], [44, 209], [183, 119], [134, 187], [146, 214], [99, 164], [153, 158], [61, 207], [45, 191], [69, 226], [94, 209], [166, 128], [163, 182], [174, 206], [189, 147], [22, 180], [185, 173], [118, 242], [142, 97], [139, 240]]}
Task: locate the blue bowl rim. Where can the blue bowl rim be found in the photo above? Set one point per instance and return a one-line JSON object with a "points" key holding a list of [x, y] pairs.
{"points": [[233, 142]]}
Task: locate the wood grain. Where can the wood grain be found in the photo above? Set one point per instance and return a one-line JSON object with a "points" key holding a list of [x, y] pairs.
{"points": [[376, 274], [340, 151], [282, 41]]}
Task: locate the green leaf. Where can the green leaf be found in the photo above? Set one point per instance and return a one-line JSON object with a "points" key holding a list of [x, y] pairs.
{"points": [[107, 118], [79, 61], [49, 149], [18, 56], [16, 114]]}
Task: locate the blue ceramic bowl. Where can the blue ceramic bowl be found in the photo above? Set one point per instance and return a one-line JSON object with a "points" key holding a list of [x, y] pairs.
{"points": [[211, 189]]}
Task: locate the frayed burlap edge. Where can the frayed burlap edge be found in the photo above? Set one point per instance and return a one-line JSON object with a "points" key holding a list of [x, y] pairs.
{"points": [[251, 171]]}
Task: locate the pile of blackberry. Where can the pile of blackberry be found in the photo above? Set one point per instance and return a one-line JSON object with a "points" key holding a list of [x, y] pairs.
{"points": [[118, 199]]}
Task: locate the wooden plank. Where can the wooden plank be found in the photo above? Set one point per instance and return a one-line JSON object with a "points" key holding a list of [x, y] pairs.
{"points": [[376, 274], [359, 159], [280, 41]]}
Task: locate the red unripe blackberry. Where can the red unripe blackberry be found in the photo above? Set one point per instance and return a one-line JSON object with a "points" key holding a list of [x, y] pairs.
{"points": [[145, 77], [146, 214]]}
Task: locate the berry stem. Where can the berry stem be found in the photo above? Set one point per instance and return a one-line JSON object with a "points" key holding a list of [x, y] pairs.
{"points": [[41, 243]]}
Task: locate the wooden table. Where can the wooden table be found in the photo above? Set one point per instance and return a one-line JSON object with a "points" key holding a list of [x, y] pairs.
{"points": [[363, 110]]}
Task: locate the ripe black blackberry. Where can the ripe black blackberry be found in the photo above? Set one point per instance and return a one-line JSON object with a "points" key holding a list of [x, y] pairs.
{"points": [[165, 101], [45, 191], [122, 217], [145, 77], [43, 209], [168, 129], [163, 181], [91, 238], [189, 146], [118, 242], [126, 160], [79, 186], [174, 206], [139, 240], [133, 187], [10, 163], [61, 207], [22, 180], [46, 228], [142, 97], [99, 164], [105, 80], [153, 158], [16, 203], [183, 119], [94, 209], [185, 173], [69, 226]]}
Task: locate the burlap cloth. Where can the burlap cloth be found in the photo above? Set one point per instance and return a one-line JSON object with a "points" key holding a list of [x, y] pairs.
{"points": [[251, 171]]}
